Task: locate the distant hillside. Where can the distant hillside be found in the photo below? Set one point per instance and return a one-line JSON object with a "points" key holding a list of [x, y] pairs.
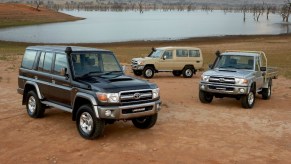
{"points": [[19, 14]]}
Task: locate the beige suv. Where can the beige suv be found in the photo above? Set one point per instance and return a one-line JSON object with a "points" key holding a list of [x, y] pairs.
{"points": [[178, 60]]}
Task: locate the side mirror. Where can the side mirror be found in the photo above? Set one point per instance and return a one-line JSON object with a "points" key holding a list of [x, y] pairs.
{"points": [[210, 66], [63, 71], [164, 57], [263, 69]]}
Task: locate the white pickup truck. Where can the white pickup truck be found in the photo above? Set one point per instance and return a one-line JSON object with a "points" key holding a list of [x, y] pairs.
{"points": [[240, 75]]}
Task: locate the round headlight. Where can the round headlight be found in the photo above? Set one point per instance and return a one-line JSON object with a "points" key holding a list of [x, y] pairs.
{"points": [[205, 78]]}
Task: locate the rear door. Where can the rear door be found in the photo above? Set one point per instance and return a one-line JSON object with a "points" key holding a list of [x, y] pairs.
{"points": [[43, 75], [195, 57], [182, 58]]}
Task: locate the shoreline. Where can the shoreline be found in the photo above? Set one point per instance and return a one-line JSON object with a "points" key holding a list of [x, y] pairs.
{"points": [[208, 39]]}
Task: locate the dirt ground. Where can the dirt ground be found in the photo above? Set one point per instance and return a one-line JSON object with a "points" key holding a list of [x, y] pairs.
{"points": [[187, 131]]}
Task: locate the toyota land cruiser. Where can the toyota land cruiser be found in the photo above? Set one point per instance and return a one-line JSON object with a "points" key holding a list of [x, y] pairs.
{"points": [[87, 82]]}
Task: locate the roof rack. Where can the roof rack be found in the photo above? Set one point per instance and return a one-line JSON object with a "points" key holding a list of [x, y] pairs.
{"points": [[261, 53]]}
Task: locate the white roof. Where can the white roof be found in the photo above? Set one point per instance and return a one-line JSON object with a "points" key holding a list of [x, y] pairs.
{"points": [[173, 48]]}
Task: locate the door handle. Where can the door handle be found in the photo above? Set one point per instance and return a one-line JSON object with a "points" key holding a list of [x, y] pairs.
{"points": [[53, 81], [198, 61]]}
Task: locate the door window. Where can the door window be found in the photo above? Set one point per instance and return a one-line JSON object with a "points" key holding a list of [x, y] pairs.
{"points": [[60, 62], [168, 55], [47, 63]]}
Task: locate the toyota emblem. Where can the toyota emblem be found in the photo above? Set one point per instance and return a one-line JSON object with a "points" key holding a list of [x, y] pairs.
{"points": [[136, 96], [221, 79]]}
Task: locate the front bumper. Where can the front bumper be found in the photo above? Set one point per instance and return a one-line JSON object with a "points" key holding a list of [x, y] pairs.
{"points": [[130, 111], [137, 67], [224, 89]]}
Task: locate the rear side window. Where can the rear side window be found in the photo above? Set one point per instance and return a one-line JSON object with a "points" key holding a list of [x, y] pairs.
{"points": [[194, 53], [60, 62], [28, 59], [47, 63], [40, 63], [182, 53]]}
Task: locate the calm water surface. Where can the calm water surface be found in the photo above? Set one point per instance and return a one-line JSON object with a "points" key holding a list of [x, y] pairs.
{"points": [[101, 27]]}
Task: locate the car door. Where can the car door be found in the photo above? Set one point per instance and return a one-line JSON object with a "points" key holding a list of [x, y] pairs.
{"points": [[182, 58], [258, 75], [61, 84], [195, 58], [43, 75], [166, 61]]}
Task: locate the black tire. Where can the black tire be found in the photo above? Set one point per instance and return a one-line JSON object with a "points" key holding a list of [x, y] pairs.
{"points": [[248, 101], [188, 72], [267, 92], [34, 107], [88, 125], [205, 97], [177, 73], [137, 72], [145, 122], [148, 72]]}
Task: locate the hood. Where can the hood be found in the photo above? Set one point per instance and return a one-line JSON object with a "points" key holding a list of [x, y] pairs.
{"points": [[114, 83], [141, 58], [239, 73]]}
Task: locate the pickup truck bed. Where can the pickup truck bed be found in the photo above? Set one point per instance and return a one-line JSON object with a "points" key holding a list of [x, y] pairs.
{"points": [[272, 72]]}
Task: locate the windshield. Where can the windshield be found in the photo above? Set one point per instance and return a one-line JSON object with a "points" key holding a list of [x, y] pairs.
{"points": [[235, 61], [98, 63], [156, 54]]}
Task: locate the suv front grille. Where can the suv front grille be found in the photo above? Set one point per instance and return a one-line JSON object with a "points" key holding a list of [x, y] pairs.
{"points": [[222, 80], [135, 96]]}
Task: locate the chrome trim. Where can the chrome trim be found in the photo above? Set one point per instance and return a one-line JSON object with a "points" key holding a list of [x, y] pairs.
{"points": [[43, 82], [36, 88], [235, 90], [57, 106], [140, 90], [132, 96], [117, 110], [92, 100]]}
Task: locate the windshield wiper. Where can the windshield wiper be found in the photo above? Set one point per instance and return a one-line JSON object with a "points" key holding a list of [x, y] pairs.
{"points": [[111, 72], [230, 66], [88, 74]]}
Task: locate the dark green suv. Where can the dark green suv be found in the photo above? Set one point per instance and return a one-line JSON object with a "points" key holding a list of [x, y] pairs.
{"points": [[89, 83]]}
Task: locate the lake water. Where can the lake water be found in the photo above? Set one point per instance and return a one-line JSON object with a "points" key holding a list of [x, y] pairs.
{"points": [[100, 27]]}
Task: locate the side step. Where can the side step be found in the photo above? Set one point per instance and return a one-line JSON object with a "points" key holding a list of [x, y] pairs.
{"points": [[57, 106]]}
